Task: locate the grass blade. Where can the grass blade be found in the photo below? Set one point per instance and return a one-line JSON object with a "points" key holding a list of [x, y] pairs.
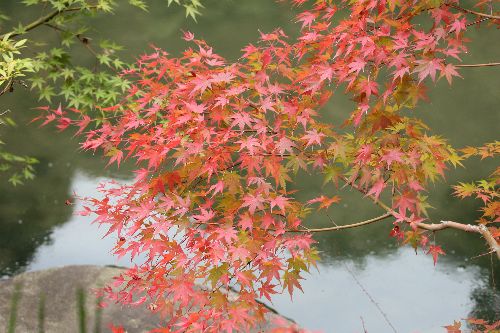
{"points": [[16, 296], [80, 309], [98, 315], [41, 314]]}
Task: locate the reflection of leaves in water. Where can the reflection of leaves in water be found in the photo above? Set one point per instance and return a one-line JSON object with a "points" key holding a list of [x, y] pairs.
{"points": [[30, 212], [14, 168]]}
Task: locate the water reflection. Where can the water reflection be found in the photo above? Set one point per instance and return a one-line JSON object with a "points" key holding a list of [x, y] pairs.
{"points": [[417, 298], [28, 213], [408, 289], [78, 242]]}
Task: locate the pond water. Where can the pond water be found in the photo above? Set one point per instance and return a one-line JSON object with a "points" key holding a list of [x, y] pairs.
{"points": [[364, 278]]}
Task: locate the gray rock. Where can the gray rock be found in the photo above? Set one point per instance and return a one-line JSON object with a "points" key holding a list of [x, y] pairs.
{"points": [[60, 286]]}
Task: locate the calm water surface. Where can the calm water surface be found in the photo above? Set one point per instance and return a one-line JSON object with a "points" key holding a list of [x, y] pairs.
{"points": [[362, 272]]}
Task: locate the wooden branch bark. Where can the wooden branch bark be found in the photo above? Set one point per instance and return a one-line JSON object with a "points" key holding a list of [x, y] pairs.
{"points": [[479, 229]]}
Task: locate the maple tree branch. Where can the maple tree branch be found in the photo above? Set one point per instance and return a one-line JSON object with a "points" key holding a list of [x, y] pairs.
{"points": [[43, 20], [8, 87], [480, 229], [36, 23], [469, 11], [479, 65], [347, 226], [307, 230], [84, 40], [477, 21]]}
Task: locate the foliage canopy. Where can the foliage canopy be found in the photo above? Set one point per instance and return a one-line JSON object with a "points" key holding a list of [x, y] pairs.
{"points": [[54, 69]]}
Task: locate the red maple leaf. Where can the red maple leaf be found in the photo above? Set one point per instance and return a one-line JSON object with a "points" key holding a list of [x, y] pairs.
{"points": [[449, 72], [325, 201], [313, 137], [280, 201], [435, 251], [392, 155], [428, 67], [377, 188]]}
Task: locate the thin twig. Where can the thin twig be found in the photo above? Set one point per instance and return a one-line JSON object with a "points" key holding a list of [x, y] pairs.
{"points": [[36, 23], [479, 65], [9, 87], [482, 255], [370, 297], [82, 39], [372, 300], [347, 226], [477, 21], [363, 323], [307, 230], [43, 20], [469, 11], [331, 220]]}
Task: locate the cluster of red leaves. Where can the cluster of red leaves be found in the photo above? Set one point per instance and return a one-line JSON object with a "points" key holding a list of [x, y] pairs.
{"points": [[217, 143]]}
